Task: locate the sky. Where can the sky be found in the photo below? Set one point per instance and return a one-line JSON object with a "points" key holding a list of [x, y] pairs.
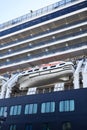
{"points": [[10, 9]]}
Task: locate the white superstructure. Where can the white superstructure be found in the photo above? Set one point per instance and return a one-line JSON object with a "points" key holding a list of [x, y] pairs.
{"points": [[30, 45]]}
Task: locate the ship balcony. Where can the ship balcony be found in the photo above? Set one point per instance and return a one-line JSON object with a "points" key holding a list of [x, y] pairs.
{"points": [[71, 28], [59, 42], [55, 54]]}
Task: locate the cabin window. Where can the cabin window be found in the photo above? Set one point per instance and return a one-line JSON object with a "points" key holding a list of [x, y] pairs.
{"points": [[66, 126], [61, 64], [15, 110], [53, 66], [12, 127], [31, 109], [47, 107], [46, 126], [36, 69], [44, 68], [67, 105], [28, 127], [3, 111], [23, 72], [30, 70]]}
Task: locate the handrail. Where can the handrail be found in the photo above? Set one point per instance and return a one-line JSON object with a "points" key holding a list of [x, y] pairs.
{"points": [[35, 13]]}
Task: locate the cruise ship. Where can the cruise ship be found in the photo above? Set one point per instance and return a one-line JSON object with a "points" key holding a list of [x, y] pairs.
{"points": [[43, 69]]}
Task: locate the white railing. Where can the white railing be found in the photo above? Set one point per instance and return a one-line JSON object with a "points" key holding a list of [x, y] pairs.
{"points": [[35, 13]]}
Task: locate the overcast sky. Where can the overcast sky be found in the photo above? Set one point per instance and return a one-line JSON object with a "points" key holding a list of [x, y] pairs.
{"points": [[10, 9]]}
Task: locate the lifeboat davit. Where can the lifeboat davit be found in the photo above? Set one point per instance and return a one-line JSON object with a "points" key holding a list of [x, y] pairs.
{"points": [[45, 74], [2, 80]]}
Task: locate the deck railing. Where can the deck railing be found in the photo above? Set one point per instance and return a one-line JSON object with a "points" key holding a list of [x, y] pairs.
{"points": [[32, 14]]}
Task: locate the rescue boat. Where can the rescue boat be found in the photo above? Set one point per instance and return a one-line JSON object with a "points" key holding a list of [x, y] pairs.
{"points": [[50, 73]]}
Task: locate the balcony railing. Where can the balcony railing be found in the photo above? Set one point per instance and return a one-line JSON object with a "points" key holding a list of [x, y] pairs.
{"points": [[45, 54], [15, 43]]}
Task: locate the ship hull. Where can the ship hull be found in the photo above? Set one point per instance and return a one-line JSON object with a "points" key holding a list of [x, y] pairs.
{"points": [[54, 120]]}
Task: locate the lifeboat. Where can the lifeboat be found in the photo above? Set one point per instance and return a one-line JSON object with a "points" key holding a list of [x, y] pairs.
{"points": [[45, 74]]}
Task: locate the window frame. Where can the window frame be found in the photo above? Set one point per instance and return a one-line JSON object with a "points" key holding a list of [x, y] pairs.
{"points": [[48, 107], [30, 108], [67, 105], [13, 127], [15, 110]]}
